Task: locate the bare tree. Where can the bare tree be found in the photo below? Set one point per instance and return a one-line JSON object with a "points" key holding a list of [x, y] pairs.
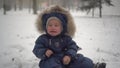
{"points": [[92, 4], [107, 2], [15, 5], [34, 6], [4, 7], [20, 4], [100, 8], [30, 3]]}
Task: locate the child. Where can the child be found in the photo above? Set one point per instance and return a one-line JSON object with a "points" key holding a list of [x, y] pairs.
{"points": [[55, 47]]}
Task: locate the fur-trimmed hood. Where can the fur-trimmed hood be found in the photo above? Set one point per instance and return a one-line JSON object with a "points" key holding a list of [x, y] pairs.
{"points": [[70, 22]]}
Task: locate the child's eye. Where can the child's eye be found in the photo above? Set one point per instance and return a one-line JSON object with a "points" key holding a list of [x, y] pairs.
{"points": [[56, 25], [49, 25]]}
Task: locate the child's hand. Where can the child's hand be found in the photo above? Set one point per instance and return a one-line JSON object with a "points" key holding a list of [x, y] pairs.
{"points": [[66, 60], [48, 53]]}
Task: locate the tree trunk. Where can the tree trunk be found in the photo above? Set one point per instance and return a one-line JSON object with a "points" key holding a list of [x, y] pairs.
{"points": [[93, 12], [34, 6], [15, 6], [100, 8], [20, 4], [29, 6], [4, 7]]}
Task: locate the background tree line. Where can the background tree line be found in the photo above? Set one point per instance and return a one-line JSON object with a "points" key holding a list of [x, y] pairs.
{"points": [[35, 5]]}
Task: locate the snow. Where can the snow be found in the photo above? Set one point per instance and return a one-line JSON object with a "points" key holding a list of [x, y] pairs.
{"points": [[98, 37]]}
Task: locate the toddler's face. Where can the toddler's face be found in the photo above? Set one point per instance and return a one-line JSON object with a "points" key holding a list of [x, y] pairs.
{"points": [[54, 27]]}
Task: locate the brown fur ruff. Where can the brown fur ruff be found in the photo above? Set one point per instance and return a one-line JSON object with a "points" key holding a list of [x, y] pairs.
{"points": [[70, 26]]}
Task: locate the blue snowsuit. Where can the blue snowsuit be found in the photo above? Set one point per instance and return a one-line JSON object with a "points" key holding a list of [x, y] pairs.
{"points": [[61, 45]]}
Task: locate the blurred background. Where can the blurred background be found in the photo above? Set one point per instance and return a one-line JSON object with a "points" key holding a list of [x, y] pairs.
{"points": [[89, 6], [97, 30]]}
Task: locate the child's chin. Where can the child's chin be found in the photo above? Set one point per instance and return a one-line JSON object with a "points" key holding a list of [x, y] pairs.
{"points": [[54, 34]]}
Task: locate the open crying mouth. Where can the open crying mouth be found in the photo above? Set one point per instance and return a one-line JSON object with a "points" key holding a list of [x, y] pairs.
{"points": [[53, 31]]}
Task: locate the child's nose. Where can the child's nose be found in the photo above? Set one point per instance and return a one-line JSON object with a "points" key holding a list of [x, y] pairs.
{"points": [[53, 26]]}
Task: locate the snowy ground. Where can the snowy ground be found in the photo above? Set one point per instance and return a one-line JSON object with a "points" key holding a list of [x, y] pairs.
{"points": [[98, 37]]}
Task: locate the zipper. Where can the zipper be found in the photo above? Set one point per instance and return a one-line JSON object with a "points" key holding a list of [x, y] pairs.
{"points": [[49, 41]]}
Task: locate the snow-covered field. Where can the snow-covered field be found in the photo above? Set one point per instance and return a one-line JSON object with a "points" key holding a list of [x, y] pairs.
{"points": [[98, 37]]}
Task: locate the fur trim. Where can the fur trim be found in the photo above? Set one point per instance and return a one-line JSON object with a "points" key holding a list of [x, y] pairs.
{"points": [[70, 26]]}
